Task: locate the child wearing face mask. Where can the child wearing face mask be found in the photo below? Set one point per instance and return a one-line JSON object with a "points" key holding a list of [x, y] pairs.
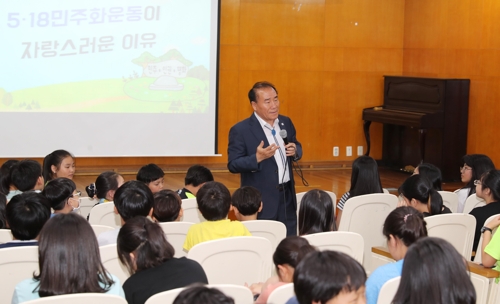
{"points": [[62, 195]]}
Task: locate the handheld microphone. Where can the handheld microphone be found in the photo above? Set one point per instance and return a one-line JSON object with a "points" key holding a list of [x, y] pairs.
{"points": [[284, 136]]}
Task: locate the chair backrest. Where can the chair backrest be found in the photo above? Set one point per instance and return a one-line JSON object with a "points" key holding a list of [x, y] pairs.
{"points": [[239, 293], [478, 258], [388, 291], [481, 285], [86, 204], [456, 228], [365, 214], [165, 297], [274, 231], [350, 243], [16, 264], [98, 229], [386, 191], [176, 235], [234, 260], [5, 236], [80, 298], [109, 258], [104, 214], [472, 202], [191, 213], [281, 294], [450, 200]]}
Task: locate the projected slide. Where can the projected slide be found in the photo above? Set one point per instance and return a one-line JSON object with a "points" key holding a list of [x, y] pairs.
{"points": [[106, 56]]}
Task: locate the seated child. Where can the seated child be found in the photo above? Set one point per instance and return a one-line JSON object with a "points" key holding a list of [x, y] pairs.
{"points": [[132, 199], [247, 203], [202, 294], [105, 186], [152, 176], [329, 277], [6, 187], [214, 202], [26, 175], [167, 206], [196, 177], [26, 215]]}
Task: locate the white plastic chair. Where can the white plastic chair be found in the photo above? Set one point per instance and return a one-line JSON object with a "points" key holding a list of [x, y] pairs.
{"points": [[478, 258], [80, 298], [176, 235], [456, 228], [165, 297], [281, 294], [5, 236], [191, 214], [274, 231], [16, 265], [481, 285], [234, 260], [388, 291], [472, 202], [104, 214], [109, 258], [98, 229], [86, 204], [239, 293], [350, 243], [365, 214], [450, 200]]}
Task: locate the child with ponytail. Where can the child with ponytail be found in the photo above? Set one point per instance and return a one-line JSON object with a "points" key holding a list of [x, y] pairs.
{"points": [[418, 192], [402, 227]]}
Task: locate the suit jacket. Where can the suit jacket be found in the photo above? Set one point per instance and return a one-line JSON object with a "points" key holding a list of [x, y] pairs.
{"points": [[244, 138]]}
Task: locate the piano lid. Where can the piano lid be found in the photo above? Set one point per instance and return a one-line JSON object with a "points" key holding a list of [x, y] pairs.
{"points": [[425, 95]]}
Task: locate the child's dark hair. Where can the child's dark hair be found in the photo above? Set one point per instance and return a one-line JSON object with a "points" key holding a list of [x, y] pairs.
{"points": [[364, 177], [166, 206], [491, 180], [316, 213], [53, 159], [479, 164], [197, 175], [434, 272], [132, 199], [105, 182], [420, 188], [3, 218], [147, 241], [291, 251], [149, 173], [201, 294], [405, 223], [432, 173], [214, 201], [247, 200], [25, 174], [5, 176], [58, 191], [322, 275], [26, 214]]}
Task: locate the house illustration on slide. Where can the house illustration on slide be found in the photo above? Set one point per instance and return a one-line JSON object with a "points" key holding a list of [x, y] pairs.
{"points": [[166, 69]]}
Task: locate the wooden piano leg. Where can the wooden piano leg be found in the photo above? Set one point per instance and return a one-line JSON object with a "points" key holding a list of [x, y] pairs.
{"points": [[366, 129], [421, 136]]}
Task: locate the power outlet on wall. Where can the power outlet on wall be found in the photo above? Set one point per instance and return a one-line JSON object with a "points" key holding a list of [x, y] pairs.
{"points": [[348, 151], [335, 151], [360, 150]]}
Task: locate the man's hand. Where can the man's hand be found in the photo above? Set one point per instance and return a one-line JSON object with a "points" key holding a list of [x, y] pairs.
{"points": [[265, 153], [290, 149]]}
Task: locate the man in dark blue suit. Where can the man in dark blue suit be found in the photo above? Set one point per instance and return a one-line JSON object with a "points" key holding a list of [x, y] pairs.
{"points": [[258, 152]]}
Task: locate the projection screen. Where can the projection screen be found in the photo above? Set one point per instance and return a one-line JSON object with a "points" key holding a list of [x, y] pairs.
{"points": [[108, 77]]}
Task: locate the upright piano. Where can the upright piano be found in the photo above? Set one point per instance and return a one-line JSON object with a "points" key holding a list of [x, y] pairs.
{"points": [[425, 120]]}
